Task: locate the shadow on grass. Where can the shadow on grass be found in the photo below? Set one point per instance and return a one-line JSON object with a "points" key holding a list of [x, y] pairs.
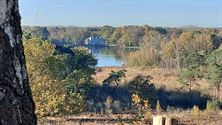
{"points": [[122, 98], [182, 99]]}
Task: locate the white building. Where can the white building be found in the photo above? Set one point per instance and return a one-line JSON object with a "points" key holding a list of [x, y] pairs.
{"points": [[95, 41]]}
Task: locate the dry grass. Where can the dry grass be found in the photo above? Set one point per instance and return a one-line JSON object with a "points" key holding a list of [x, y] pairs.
{"points": [[185, 118], [88, 119], [161, 77]]}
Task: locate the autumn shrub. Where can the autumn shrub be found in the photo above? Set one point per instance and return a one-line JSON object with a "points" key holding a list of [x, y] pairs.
{"points": [[158, 107], [47, 98], [195, 111], [59, 79], [147, 110], [73, 103], [143, 109], [142, 59]]}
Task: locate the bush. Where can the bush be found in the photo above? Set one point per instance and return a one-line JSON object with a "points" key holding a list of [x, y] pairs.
{"points": [[143, 108], [195, 111], [158, 107], [144, 88], [74, 103], [59, 80], [212, 105], [108, 103], [116, 106], [147, 110]]}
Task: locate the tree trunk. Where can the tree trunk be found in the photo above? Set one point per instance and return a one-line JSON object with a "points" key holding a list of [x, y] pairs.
{"points": [[218, 92], [190, 86], [16, 104]]}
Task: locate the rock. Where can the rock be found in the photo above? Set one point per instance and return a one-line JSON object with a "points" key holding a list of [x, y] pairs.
{"points": [[16, 103]]}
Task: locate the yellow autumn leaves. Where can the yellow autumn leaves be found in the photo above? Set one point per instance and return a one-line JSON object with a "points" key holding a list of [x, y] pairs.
{"points": [[50, 95]]}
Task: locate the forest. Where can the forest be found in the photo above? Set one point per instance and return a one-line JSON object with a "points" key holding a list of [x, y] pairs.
{"points": [[162, 47]]}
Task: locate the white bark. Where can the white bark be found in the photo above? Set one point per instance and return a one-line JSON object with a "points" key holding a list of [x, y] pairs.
{"points": [[16, 104]]}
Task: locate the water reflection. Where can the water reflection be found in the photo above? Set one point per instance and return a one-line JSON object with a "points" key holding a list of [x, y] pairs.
{"points": [[111, 56]]}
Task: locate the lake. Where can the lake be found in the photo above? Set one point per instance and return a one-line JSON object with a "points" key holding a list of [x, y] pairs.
{"points": [[111, 56]]}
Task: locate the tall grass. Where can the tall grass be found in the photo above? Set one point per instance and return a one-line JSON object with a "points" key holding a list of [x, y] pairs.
{"points": [[143, 58]]}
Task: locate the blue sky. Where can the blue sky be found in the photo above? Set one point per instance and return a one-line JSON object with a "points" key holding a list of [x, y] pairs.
{"points": [[167, 13]]}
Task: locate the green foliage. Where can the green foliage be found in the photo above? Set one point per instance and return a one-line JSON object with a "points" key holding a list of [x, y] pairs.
{"points": [[214, 75], [115, 77], [195, 59], [194, 71], [84, 61], [212, 105], [143, 86], [73, 103], [59, 81], [36, 31], [215, 57], [106, 32], [214, 70], [189, 75], [78, 82]]}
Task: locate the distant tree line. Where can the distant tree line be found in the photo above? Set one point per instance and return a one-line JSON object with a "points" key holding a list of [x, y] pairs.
{"points": [[121, 36]]}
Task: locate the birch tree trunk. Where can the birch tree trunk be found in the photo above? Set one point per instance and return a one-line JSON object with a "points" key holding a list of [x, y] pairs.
{"points": [[16, 104]]}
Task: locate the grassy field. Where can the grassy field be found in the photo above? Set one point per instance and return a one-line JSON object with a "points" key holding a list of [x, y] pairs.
{"points": [[166, 78], [161, 77]]}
